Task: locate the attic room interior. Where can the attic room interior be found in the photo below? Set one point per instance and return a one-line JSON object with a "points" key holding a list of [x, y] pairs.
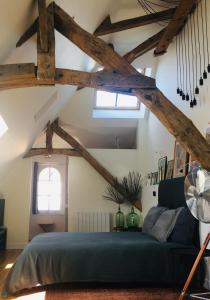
{"points": [[105, 149]]}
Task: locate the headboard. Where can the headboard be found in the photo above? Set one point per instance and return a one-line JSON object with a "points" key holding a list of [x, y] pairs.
{"points": [[171, 193], [2, 202]]}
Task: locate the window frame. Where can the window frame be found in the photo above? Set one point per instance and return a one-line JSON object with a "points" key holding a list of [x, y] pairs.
{"points": [[42, 167], [115, 107], [61, 165]]}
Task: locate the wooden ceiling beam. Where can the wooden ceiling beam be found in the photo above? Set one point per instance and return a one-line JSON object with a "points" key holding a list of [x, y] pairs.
{"points": [[83, 152], [46, 59], [56, 151], [144, 47], [43, 30], [169, 115], [34, 27], [179, 18], [107, 27], [49, 137], [24, 75], [103, 79]]}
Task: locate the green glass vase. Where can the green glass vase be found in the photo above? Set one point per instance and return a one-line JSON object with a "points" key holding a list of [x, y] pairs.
{"points": [[119, 219], [132, 219]]}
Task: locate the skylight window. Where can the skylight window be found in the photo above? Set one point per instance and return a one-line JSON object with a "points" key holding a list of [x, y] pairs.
{"points": [[3, 126], [107, 100]]}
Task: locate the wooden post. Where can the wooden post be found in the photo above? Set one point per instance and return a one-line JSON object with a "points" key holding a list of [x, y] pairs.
{"points": [[46, 59]]}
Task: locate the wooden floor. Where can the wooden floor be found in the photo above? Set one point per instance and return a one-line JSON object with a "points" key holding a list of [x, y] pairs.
{"points": [[88, 292]]}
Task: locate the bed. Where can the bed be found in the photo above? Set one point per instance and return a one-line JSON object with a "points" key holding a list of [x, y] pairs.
{"points": [[104, 257]]}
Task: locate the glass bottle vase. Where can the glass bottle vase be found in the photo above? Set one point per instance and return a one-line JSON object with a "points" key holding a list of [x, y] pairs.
{"points": [[132, 219], [119, 219]]}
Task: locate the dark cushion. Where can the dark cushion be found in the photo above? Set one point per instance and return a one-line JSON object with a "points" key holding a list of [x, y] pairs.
{"points": [[185, 229], [160, 222]]}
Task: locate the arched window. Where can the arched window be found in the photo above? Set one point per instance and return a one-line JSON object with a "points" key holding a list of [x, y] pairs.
{"points": [[49, 198]]}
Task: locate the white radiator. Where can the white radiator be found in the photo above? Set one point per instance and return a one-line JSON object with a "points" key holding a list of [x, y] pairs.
{"points": [[93, 221]]}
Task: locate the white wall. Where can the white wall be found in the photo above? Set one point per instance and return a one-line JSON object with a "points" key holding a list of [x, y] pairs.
{"points": [[86, 188], [153, 139]]}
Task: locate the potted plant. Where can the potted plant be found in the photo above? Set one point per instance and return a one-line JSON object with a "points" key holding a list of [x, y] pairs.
{"points": [[113, 194], [126, 190]]}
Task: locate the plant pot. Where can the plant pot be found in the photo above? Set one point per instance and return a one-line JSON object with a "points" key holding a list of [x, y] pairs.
{"points": [[120, 219], [132, 219]]}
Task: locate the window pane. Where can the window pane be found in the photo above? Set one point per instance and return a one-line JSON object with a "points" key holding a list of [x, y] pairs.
{"points": [[54, 203], [49, 190], [54, 175], [42, 203], [44, 174], [127, 101], [105, 99]]}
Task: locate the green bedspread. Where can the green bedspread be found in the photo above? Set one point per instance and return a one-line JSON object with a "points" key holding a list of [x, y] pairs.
{"points": [[96, 257]]}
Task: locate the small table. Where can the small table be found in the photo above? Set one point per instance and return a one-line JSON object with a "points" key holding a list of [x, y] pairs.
{"points": [[125, 229]]}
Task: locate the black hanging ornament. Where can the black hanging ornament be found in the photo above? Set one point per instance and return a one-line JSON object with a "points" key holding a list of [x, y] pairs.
{"points": [[208, 68], [196, 90], [183, 96], [201, 81], [205, 74], [178, 91], [187, 97], [194, 102], [191, 103]]}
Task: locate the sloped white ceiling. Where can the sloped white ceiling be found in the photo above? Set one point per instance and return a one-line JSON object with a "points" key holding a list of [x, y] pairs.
{"points": [[27, 111]]}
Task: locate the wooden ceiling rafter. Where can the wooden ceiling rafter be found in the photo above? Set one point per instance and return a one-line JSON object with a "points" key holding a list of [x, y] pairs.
{"points": [[49, 150], [144, 47], [46, 44], [177, 22], [56, 151], [169, 115], [106, 27], [24, 75]]}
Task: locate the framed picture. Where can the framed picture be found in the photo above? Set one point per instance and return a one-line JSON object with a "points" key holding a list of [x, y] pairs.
{"points": [[170, 169], [155, 178], [162, 165], [181, 160]]}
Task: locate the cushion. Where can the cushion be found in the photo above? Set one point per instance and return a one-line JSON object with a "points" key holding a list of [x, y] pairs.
{"points": [[160, 222], [185, 229]]}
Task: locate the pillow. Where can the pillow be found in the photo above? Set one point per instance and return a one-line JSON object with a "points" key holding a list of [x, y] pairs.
{"points": [[160, 222], [151, 218], [185, 229]]}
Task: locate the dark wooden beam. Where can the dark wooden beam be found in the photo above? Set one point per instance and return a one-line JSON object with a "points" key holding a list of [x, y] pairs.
{"points": [[24, 75], [103, 79], [28, 33], [103, 54], [146, 46], [180, 15], [57, 151], [46, 60], [43, 32], [17, 71], [170, 116], [84, 153], [49, 137], [107, 27]]}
